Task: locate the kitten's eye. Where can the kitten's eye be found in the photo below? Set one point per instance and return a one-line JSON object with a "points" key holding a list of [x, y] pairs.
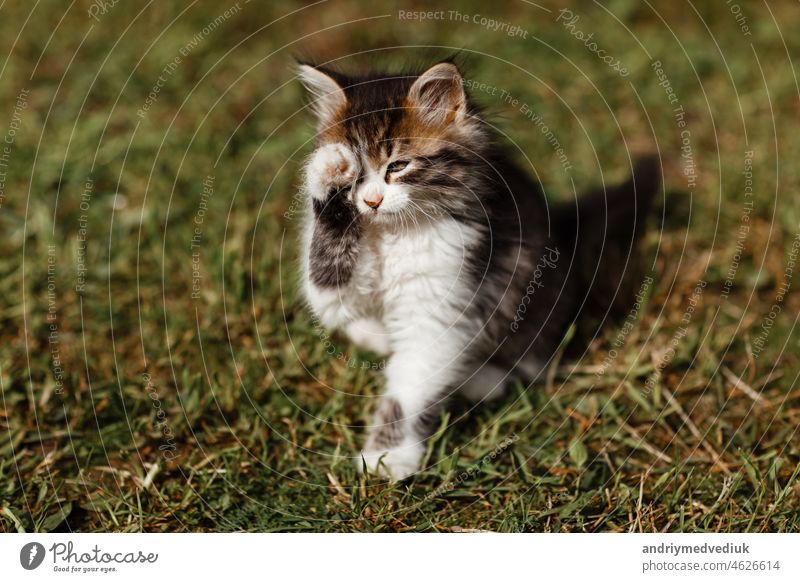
{"points": [[397, 166]]}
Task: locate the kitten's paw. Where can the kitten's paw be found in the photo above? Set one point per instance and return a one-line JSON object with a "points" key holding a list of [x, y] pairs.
{"points": [[397, 463], [331, 166], [370, 334]]}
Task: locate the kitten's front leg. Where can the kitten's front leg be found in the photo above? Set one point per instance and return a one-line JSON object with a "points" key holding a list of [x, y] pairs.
{"points": [[332, 233], [371, 334], [418, 380]]}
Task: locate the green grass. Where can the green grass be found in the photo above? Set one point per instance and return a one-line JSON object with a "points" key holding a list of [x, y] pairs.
{"points": [[262, 422]]}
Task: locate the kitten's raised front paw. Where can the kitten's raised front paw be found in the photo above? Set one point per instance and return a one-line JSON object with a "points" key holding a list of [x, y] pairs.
{"points": [[397, 463], [331, 166]]}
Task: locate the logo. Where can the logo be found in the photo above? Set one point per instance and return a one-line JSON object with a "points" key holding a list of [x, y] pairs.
{"points": [[31, 555]]}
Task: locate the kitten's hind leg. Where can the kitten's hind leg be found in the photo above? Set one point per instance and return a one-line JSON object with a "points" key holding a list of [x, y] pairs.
{"points": [[487, 383], [370, 334]]}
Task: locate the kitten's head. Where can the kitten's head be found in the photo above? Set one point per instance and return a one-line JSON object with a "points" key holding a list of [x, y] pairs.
{"points": [[417, 140]]}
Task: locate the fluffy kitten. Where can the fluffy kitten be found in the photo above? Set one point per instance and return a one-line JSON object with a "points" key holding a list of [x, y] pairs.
{"points": [[425, 242]]}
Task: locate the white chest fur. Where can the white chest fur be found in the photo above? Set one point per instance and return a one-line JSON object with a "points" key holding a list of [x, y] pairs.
{"points": [[401, 270]]}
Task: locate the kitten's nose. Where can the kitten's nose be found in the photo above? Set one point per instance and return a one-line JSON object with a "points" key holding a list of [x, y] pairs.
{"points": [[373, 199]]}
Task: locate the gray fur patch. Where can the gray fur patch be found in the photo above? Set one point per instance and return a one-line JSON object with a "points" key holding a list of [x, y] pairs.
{"points": [[388, 429], [334, 246]]}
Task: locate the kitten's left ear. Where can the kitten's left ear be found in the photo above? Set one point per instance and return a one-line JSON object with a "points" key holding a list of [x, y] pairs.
{"points": [[438, 95], [329, 97]]}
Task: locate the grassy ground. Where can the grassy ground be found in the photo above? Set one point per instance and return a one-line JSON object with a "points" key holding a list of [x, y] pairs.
{"points": [[159, 372]]}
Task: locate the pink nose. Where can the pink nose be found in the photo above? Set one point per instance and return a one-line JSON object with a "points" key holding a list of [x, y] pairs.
{"points": [[373, 199]]}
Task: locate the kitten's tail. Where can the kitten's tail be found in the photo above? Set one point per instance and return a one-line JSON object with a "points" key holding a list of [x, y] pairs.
{"points": [[601, 229]]}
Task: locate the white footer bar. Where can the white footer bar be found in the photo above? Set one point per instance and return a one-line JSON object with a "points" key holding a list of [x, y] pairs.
{"points": [[401, 557]]}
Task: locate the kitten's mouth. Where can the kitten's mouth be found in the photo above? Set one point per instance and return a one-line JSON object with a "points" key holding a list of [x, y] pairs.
{"points": [[400, 218], [379, 215], [393, 213]]}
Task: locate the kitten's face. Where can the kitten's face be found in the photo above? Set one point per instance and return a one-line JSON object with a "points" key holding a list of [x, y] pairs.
{"points": [[406, 143]]}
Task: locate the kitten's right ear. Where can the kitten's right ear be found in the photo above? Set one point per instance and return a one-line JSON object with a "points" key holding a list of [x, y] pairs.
{"points": [[328, 96]]}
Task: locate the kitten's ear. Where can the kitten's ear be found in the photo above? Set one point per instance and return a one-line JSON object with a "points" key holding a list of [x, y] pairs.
{"points": [[328, 96], [438, 95]]}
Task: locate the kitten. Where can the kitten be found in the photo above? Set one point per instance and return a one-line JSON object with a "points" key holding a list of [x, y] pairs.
{"points": [[426, 243]]}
